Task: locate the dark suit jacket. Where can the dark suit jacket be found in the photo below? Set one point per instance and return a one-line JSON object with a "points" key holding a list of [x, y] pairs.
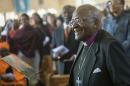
{"points": [[72, 44], [108, 55], [58, 37]]}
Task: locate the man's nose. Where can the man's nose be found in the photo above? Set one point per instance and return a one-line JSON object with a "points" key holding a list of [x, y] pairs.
{"points": [[74, 25]]}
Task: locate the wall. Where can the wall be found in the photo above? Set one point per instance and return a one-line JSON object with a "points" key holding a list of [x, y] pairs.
{"points": [[57, 4], [6, 5]]}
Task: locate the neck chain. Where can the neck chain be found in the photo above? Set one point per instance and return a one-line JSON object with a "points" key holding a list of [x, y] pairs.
{"points": [[78, 81]]}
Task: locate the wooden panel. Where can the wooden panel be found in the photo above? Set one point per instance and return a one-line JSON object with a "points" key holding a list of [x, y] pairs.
{"points": [[6, 5], [59, 80]]}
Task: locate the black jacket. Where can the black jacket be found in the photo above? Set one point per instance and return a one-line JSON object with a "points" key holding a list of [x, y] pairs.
{"points": [[108, 56]]}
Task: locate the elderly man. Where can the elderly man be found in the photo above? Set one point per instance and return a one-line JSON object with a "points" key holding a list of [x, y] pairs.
{"points": [[101, 60]]}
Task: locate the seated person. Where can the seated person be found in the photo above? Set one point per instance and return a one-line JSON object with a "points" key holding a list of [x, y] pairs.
{"points": [[9, 76]]}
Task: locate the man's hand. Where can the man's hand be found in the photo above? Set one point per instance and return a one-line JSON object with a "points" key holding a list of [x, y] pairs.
{"points": [[73, 57], [7, 77]]}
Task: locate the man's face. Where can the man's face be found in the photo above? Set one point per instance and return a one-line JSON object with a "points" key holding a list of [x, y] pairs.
{"points": [[32, 20], [67, 15], [117, 7], [82, 26], [50, 19], [24, 20]]}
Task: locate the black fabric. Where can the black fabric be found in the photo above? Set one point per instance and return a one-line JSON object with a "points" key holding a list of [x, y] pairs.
{"points": [[108, 55], [9, 70]]}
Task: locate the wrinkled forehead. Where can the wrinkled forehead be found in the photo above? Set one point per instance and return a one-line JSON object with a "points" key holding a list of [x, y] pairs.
{"points": [[116, 2], [83, 13]]}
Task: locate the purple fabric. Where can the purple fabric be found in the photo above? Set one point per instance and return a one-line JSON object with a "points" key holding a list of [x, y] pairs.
{"points": [[27, 41], [91, 39]]}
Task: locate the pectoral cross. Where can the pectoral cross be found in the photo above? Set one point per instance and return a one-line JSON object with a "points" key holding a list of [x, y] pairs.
{"points": [[78, 81]]}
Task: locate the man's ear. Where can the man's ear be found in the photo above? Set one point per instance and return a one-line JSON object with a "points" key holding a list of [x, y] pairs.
{"points": [[96, 22]]}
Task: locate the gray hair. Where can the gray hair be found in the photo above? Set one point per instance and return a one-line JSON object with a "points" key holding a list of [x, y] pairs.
{"points": [[90, 11]]}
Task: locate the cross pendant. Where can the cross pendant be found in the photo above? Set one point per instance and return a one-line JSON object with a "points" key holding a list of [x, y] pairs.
{"points": [[78, 81]]}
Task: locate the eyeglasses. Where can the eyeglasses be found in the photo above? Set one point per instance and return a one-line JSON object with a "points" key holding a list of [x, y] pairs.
{"points": [[77, 21]]}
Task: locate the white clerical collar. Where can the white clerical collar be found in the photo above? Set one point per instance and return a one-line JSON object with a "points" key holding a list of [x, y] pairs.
{"points": [[85, 44]]}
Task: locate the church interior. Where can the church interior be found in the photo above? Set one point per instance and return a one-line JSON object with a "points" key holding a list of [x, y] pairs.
{"points": [[50, 72]]}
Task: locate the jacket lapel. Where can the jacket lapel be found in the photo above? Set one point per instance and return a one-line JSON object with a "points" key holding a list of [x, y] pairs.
{"points": [[91, 60], [77, 55], [92, 57]]}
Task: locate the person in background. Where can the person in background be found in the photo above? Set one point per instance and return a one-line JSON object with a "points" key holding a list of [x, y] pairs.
{"points": [[1, 28], [28, 44], [4, 47], [8, 26], [9, 76], [107, 16], [49, 30], [36, 22], [51, 21], [58, 40], [44, 19], [11, 33], [118, 25], [69, 41], [101, 59]]}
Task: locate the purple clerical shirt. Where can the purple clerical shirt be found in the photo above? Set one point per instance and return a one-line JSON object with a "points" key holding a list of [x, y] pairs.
{"points": [[91, 39]]}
